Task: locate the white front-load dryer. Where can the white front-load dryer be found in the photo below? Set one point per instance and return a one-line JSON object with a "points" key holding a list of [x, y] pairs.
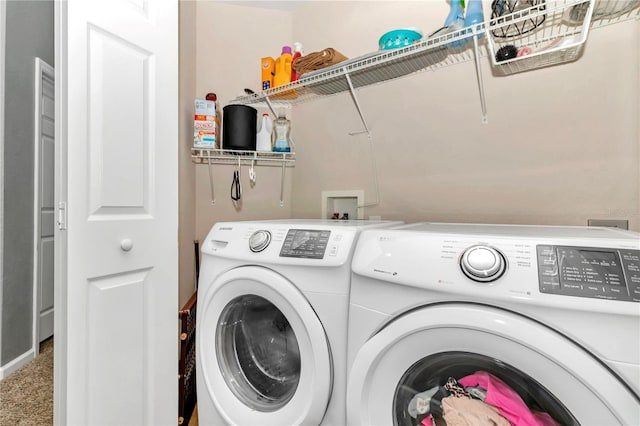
{"points": [[271, 326], [552, 313]]}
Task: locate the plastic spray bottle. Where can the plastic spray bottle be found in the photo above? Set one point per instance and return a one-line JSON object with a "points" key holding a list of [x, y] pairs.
{"points": [[297, 52], [455, 22], [474, 15]]}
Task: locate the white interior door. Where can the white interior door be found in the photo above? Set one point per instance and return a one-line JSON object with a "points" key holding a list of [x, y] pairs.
{"points": [[44, 201], [116, 240]]}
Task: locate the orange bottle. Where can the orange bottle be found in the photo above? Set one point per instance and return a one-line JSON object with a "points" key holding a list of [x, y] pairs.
{"points": [[283, 67]]}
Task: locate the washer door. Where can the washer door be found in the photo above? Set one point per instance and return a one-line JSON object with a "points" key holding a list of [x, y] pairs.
{"points": [[264, 353], [429, 344]]}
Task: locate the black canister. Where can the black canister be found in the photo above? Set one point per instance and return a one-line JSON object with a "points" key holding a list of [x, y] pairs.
{"points": [[239, 124]]}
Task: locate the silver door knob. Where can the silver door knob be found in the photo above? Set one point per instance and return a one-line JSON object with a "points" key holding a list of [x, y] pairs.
{"points": [[126, 244]]}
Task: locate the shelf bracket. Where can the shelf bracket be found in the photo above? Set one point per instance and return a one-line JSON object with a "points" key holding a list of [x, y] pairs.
{"points": [[352, 91], [476, 52], [270, 105], [213, 195], [366, 130], [282, 183]]}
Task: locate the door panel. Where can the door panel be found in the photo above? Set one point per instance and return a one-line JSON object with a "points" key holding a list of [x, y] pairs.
{"points": [[44, 201], [119, 351], [123, 293], [118, 69]]}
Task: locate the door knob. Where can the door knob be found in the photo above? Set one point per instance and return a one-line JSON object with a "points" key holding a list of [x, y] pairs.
{"points": [[126, 244]]}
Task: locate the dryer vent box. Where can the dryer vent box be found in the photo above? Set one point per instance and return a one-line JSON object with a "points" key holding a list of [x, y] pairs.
{"points": [[341, 203]]}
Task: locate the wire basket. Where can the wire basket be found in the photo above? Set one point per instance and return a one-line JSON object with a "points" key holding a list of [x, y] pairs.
{"points": [[557, 37], [502, 11]]}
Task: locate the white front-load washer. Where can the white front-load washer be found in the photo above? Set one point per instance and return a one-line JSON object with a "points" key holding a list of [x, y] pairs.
{"points": [[271, 325], [552, 312]]}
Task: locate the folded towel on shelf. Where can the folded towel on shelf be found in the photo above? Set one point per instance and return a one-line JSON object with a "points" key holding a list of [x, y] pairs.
{"points": [[318, 60]]}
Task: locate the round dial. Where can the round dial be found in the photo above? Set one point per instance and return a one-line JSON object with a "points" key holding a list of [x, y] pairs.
{"points": [[259, 240], [482, 263]]}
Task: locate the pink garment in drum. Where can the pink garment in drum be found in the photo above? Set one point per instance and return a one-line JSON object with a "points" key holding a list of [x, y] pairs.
{"points": [[507, 401]]}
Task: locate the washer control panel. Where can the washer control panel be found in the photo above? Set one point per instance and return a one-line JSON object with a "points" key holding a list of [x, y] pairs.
{"points": [[482, 263], [259, 240], [305, 243], [602, 273]]}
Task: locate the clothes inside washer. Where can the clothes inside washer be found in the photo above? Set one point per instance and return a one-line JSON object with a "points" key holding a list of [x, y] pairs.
{"points": [[506, 400], [462, 411], [480, 398]]}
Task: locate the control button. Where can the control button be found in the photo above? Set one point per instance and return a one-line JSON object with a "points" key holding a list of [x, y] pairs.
{"points": [[333, 250], [482, 263], [259, 241]]}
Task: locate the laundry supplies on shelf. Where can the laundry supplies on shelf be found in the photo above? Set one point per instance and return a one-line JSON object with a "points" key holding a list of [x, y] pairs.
{"points": [[263, 137], [280, 135], [206, 124]]}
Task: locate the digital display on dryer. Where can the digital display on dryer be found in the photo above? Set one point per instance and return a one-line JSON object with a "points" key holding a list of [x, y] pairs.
{"points": [[589, 267], [305, 243]]}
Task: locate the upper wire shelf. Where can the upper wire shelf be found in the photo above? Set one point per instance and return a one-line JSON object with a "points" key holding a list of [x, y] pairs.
{"points": [[561, 30]]}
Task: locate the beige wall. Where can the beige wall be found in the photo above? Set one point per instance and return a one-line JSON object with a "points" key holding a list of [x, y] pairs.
{"points": [[231, 39], [562, 144]]}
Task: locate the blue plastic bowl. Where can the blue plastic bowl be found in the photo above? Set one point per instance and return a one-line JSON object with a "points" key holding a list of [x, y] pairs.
{"points": [[399, 38]]}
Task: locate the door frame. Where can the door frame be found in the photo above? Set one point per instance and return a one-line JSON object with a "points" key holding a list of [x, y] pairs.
{"points": [[60, 237], [3, 6], [41, 69]]}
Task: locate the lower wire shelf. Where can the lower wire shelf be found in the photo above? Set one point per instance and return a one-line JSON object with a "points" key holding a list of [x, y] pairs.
{"points": [[210, 156], [231, 156]]}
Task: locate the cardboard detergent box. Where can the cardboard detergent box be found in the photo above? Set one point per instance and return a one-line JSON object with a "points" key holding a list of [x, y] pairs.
{"points": [[206, 125]]}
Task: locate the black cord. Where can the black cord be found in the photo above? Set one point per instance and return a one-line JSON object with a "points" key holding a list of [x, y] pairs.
{"points": [[236, 189]]}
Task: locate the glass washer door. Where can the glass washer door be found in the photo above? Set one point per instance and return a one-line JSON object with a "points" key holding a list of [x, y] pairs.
{"points": [[588, 390], [264, 353]]}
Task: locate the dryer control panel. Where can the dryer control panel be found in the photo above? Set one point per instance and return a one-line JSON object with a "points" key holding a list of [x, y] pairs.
{"points": [[602, 273], [305, 243]]}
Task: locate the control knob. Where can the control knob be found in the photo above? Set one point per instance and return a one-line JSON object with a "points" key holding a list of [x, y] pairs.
{"points": [[483, 263], [259, 240]]}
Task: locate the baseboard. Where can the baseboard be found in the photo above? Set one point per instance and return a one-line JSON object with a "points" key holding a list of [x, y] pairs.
{"points": [[16, 363]]}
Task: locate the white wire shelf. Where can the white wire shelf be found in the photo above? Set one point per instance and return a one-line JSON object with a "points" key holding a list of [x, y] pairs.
{"points": [[230, 156], [372, 68], [557, 39]]}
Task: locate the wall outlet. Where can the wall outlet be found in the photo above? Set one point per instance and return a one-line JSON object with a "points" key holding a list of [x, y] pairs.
{"points": [[612, 223]]}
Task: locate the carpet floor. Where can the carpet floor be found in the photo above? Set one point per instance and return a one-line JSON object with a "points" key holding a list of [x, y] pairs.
{"points": [[26, 396]]}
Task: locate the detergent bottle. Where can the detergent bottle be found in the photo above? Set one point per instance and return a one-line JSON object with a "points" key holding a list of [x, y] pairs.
{"points": [[283, 67], [263, 137]]}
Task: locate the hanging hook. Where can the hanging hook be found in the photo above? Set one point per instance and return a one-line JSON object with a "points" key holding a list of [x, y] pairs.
{"points": [[252, 173]]}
